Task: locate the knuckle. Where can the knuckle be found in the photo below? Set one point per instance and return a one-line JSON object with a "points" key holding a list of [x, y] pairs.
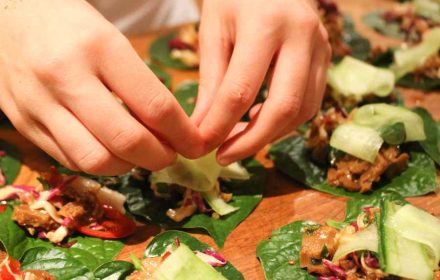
{"points": [[239, 94], [288, 109], [93, 161], [49, 69], [126, 140], [159, 107], [308, 21]]}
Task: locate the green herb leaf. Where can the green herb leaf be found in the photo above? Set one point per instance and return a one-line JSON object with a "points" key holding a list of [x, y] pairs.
{"points": [[393, 134], [160, 243], [360, 46], [282, 248], [163, 76], [160, 52], [10, 163], [424, 84], [115, 270], [432, 143], [186, 95]]}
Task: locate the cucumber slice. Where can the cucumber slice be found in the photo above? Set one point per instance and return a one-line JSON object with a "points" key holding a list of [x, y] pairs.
{"points": [[366, 239], [419, 226], [199, 174], [380, 115], [218, 204], [355, 78], [359, 141], [398, 255], [183, 264], [234, 171], [408, 59]]}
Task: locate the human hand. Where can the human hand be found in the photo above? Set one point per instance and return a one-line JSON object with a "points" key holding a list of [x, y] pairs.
{"points": [[238, 42], [60, 61]]}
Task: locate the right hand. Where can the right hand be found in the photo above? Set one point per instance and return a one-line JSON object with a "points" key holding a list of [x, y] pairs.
{"points": [[60, 61]]}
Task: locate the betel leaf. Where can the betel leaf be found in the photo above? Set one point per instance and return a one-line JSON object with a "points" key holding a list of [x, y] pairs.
{"points": [[425, 84], [15, 239], [359, 46], [159, 244], [92, 252], [142, 203], [375, 21], [393, 134], [10, 163], [160, 52], [431, 144], [65, 264], [115, 270], [186, 95], [163, 76], [279, 255], [293, 159]]}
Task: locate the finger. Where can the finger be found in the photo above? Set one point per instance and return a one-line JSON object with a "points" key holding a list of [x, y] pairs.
{"points": [[80, 145], [238, 89], [315, 87], [37, 134], [255, 110], [124, 136], [215, 52], [282, 105], [152, 103]]}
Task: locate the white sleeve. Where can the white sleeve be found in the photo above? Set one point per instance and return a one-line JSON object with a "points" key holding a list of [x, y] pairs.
{"points": [[140, 16]]}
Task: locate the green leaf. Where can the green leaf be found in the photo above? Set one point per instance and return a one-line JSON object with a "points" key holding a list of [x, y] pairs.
{"points": [[283, 246], [58, 263], [15, 239], [141, 202], [10, 164], [160, 243], [160, 52], [186, 95], [424, 84], [163, 76], [431, 144], [115, 270], [293, 159], [393, 134], [376, 21], [65, 264]]}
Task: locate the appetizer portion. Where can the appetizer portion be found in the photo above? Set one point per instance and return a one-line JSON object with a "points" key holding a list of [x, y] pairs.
{"points": [[177, 49], [179, 256], [197, 194], [408, 21], [63, 204], [385, 239], [375, 148]]}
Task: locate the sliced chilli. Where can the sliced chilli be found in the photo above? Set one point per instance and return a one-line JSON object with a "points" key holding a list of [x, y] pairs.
{"points": [[114, 225], [9, 269]]}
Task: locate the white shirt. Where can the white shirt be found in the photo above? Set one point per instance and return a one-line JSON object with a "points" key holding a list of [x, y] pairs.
{"points": [[140, 16]]}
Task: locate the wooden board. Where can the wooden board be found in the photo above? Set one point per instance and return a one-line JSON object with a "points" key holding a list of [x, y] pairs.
{"points": [[283, 202]]}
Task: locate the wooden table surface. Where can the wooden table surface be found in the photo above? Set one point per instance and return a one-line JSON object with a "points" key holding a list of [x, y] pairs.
{"points": [[283, 201]]}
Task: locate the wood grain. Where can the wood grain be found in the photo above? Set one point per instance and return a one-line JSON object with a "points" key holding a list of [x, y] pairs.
{"points": [[283, 202]]}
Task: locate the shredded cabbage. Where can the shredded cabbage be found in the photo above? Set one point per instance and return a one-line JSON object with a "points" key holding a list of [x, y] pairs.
{"points": [[355, 78], [366, 239], [408, 59]]}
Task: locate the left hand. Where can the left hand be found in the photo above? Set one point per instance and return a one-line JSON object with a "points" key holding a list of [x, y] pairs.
{"points": [[238, 42]]}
